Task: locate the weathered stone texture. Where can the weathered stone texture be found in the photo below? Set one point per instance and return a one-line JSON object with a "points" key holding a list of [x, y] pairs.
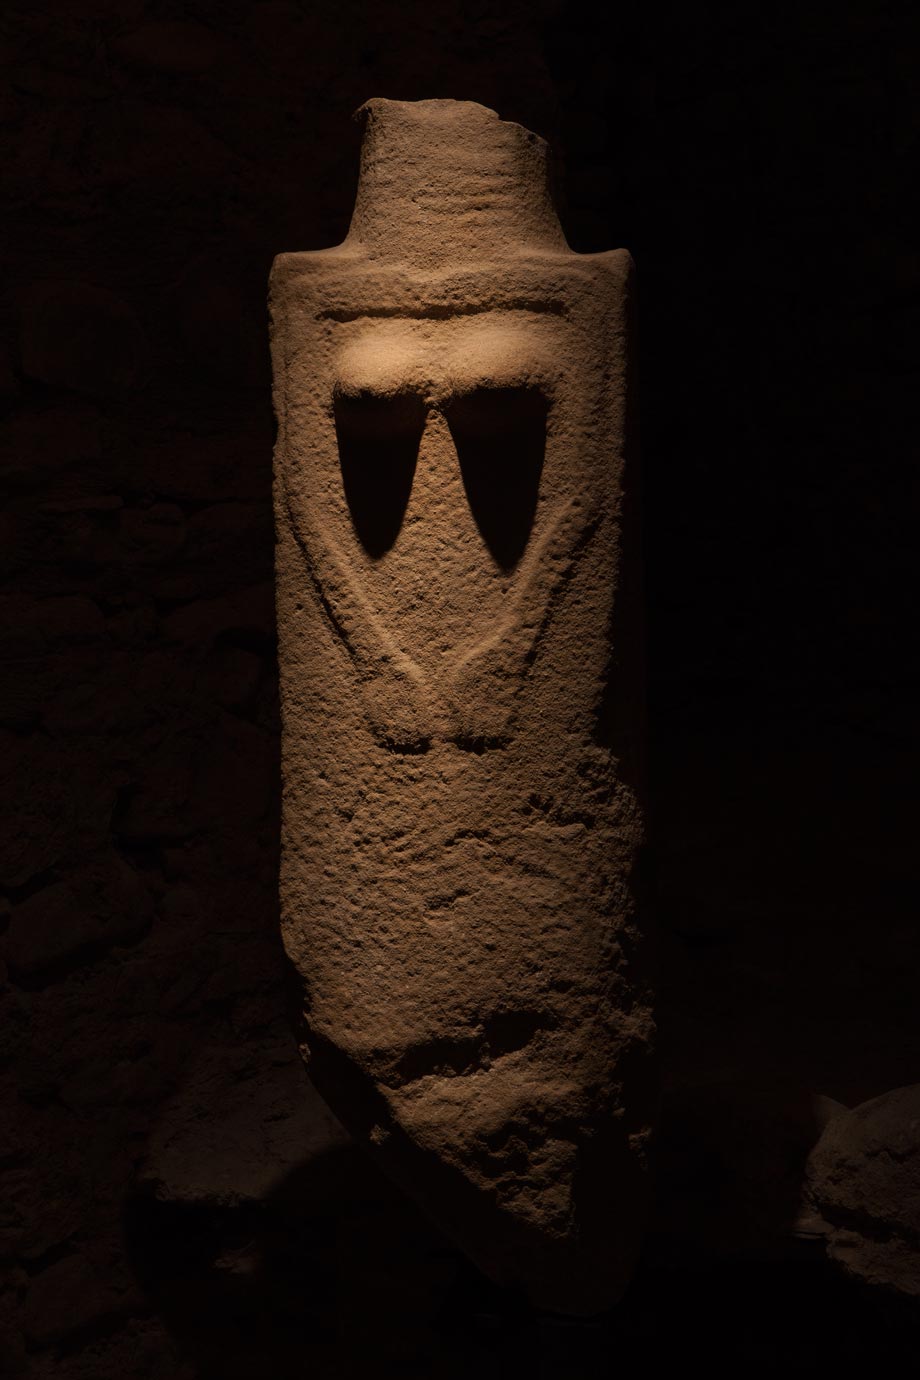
{"points": [[452, 387], [864, 1180], [761, 171]]}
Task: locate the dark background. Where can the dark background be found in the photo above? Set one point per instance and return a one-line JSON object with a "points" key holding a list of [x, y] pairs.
{"points": [[175, 1201]]}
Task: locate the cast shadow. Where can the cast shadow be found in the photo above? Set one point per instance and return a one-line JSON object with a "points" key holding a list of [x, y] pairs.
{"points": [[334, 1275], [337, 1276], [378, 440], [500, 438]]}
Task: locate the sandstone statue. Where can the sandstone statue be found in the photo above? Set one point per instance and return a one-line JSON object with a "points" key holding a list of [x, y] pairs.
{"points": [[461, 725]]}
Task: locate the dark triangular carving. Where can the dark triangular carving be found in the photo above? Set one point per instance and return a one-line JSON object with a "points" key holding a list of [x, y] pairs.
{"points": [[378, 439], [500, 437]]}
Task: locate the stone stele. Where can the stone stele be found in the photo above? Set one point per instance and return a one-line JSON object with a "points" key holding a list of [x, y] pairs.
{"points": [[457, 649]]}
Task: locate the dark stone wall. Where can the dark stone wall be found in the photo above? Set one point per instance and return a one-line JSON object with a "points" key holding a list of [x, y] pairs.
{"points": [[176, 1202]]}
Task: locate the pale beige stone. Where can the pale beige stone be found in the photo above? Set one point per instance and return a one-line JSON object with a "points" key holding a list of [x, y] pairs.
{"points": [[460, 832]]}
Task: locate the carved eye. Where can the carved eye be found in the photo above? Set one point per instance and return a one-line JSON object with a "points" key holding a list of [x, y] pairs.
{"points": [[378, 438], [500, 438]]}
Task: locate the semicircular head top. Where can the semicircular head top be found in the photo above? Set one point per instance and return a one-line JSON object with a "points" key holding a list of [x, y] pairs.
{"points": [[448, 182]]}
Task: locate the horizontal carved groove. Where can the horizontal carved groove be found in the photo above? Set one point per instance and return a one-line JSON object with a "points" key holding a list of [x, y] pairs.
{"points": [[557, 814], [480, 743], [440, 311], [506, 1032], [411, 747]]}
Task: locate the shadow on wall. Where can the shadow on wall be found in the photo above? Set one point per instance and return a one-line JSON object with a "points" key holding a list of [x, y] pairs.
{"points": [[335, 1275], [267, 1243], [331, 1272], [378, 440], [500, 436]]}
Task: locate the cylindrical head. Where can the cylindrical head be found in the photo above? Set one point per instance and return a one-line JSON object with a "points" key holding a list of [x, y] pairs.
{"points": [[448, 182]]}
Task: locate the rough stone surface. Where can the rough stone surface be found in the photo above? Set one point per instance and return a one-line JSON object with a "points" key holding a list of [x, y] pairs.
{"points": [[864, 1180], [233, 1131], [460, 824], [760, 168]]}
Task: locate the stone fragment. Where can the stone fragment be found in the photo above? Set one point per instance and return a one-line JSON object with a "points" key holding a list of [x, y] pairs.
{"points": [[455, 555], [864, 1181], [243, 1119]]}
